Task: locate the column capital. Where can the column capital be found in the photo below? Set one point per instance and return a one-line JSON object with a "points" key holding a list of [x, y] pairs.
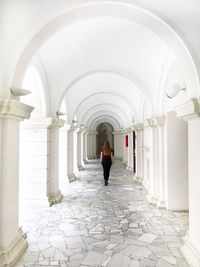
{"points": [[138, 127], [92, 132], [47, 122], [155, 122], [14, 109], [117, 132], [189, 110]]}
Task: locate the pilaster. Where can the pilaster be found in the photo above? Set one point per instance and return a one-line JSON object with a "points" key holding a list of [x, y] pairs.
{"points": [[12, 239], [156, 183], [190, 111], [70, 153], [85, 146], [138, 128], [41, 142]]}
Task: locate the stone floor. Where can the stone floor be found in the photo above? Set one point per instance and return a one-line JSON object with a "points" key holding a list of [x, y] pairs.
{"points": [[110, 226]]}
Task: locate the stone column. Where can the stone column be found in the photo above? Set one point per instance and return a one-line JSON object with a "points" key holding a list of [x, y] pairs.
{"points": [[92, 145], [12, 239], [118, 144], [125, 149], [85, 146], [80, 148], [162, 162], [138, 128], [130, 150], [54, 194], [70, 153], [156, 161], [40, 160], [190, 112]]}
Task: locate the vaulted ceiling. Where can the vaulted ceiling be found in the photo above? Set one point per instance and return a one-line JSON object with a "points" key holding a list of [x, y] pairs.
{"points": [[103, 61]]}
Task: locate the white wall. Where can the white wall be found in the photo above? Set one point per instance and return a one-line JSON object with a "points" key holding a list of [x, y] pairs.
{"points": [[177, 163], [194, 182]]}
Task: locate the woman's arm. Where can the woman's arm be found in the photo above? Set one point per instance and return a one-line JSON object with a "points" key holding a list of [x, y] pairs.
{"points": [[101, 156]]}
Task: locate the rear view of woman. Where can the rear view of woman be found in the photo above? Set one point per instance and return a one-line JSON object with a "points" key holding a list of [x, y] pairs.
{"points": [[106, 159]]}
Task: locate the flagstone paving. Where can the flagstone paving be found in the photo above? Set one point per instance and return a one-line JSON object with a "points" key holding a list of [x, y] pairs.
{"points": [[108, 226]]}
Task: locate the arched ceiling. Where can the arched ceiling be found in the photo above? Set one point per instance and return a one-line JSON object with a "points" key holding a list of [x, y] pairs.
{"points": [[93, 48]]}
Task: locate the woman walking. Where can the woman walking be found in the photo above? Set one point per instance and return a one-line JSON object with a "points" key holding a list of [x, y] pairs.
{"points": [[106, 159]]}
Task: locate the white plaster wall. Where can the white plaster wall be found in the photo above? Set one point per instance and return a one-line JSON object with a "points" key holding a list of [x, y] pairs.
{"points": [[194, 182], [177, 163]]}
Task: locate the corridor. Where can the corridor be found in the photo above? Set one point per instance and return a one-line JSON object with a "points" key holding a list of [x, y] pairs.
{"points": [[105, 226]]}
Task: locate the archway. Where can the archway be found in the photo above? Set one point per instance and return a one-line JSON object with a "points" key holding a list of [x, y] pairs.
{"points": [[104, 133]]}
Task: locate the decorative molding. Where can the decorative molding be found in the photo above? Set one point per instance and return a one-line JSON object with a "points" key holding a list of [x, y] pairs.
{"points": [[14, 109], [138, 179], [191, 254], [154, 122], [152, 200], [10, 255], [80, 168], [138, 127], [55, 198], [189, 110], [129, 168], [72, 178], [161, 204], [41, 123]]}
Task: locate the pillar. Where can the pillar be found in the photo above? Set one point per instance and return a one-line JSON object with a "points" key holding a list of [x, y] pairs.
{"points": [[125, 149], [70, 153], [85, 146], [190, 111], [138, 128], [54, 194], [12, 239], [80, 148], [155, 160], [118, 144], [39, 160], [91, 145], [130, 150]]}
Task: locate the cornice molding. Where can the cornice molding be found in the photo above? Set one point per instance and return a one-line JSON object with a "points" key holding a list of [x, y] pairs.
{"points": [[155, 122], [47, 122], [11, 108], [138, 127], [189, 110]]}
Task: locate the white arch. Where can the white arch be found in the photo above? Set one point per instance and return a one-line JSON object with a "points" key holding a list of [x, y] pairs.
{"points": [[123, 10], [108, 113], [108, 108], [33, 82], [97, 121]]}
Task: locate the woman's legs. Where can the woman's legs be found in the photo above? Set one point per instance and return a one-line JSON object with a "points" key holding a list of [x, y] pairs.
{"points": [[106, 171]]}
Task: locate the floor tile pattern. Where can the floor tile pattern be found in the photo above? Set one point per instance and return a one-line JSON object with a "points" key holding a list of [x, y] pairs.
{"points": [[107, 226]]}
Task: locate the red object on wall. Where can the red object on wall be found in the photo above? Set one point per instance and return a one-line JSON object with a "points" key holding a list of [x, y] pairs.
{"points": [[126, 140]]}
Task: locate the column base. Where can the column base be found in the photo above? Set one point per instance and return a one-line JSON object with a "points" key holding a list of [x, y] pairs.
{"points": [[85, 161], [80, 168], [55, 198], [138, 179], [191, 254], [72, 178], [161, 204], [124, 162], [129, 168], [10, 255], [152, 200]]}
